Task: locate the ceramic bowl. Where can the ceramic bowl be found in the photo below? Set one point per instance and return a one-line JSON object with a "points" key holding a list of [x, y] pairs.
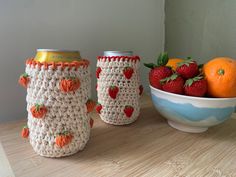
{"points": [[192, 114]]}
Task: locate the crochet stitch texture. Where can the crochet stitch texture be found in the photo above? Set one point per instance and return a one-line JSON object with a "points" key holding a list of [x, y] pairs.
{"points": [[118, 93], [66, 111]]}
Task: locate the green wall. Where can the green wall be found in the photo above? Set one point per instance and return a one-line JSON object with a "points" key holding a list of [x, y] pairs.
{"points": [[202, 29]]}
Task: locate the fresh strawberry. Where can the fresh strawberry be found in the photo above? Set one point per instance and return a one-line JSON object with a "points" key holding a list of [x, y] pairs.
{"points": [[98, 70], [113, 90], [91, 122], [159, 71], [128, 111], [140, 90], [187, 69], [98, 108], [128, 72], [196, 86], [173, 84]]}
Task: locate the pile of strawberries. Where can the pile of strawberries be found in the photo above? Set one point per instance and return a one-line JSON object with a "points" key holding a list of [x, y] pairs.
{"points": [[187, 79]]}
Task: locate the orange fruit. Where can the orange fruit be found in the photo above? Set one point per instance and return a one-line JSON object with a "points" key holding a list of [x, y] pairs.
{"points": [[220, 74], [172, 62]]}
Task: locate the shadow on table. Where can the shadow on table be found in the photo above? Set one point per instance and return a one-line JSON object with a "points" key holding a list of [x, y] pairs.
{"points": [[109, 141]]}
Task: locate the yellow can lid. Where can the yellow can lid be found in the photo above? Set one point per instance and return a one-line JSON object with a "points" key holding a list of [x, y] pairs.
{"points": [[56, 55]]}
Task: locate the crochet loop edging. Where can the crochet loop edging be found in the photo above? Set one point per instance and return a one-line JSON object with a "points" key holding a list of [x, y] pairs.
{"points": [[118, 58], [74, 64]]}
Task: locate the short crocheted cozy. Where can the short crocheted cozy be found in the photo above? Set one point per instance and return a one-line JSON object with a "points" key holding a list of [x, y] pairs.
{"points": [[57, 97], [119, 89]]}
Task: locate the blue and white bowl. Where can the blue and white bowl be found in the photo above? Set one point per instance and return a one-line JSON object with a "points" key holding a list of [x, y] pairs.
{"points": [[192, 114]]}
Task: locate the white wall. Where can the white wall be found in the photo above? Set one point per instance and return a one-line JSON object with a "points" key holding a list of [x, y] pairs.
{"points": [[88, 25]]}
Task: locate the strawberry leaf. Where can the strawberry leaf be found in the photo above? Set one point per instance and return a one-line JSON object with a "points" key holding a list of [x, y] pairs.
{"points": [[200, 66], [162, 59], [185, 62], [24, 75], [150, 65], [65, 132], [189, 58], [25, 126], [167, 79], [197, 78], [189, 82], [37, 106]]}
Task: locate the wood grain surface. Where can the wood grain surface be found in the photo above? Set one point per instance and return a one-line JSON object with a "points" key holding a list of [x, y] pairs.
{"points": [[148, 147]]}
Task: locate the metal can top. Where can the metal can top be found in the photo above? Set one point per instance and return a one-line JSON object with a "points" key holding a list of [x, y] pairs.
{"points": [[56, 50], [117, 53], [57, 55]]}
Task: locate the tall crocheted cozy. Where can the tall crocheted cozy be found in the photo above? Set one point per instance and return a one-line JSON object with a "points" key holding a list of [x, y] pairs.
{"points": [[58, 115], [119, 89]]}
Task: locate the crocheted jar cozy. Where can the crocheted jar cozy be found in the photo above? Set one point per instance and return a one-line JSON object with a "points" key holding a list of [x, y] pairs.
{"points": [[58, 120], [119, 89]]}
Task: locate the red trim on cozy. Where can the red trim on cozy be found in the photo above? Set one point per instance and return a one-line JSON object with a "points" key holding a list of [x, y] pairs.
{"points": [[118, 58]]}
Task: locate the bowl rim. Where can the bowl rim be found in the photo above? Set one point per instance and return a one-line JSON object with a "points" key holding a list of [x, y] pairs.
{"points": [[192, 97]]}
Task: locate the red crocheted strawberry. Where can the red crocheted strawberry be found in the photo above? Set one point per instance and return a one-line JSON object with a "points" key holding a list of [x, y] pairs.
{"points": [[24, 80], [173, 84], [98, 108], [188, 68], [128, 72], [69, 84], [159, 71], [90, 104], [196, 86], [140, 90], [112, 91], [91, 122], [25, 132], [98, 70], [63, 139], [128, 111], [38, 111]]}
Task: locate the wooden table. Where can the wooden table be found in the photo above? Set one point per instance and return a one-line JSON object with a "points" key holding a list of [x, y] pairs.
{"points": [[148, 147]]}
